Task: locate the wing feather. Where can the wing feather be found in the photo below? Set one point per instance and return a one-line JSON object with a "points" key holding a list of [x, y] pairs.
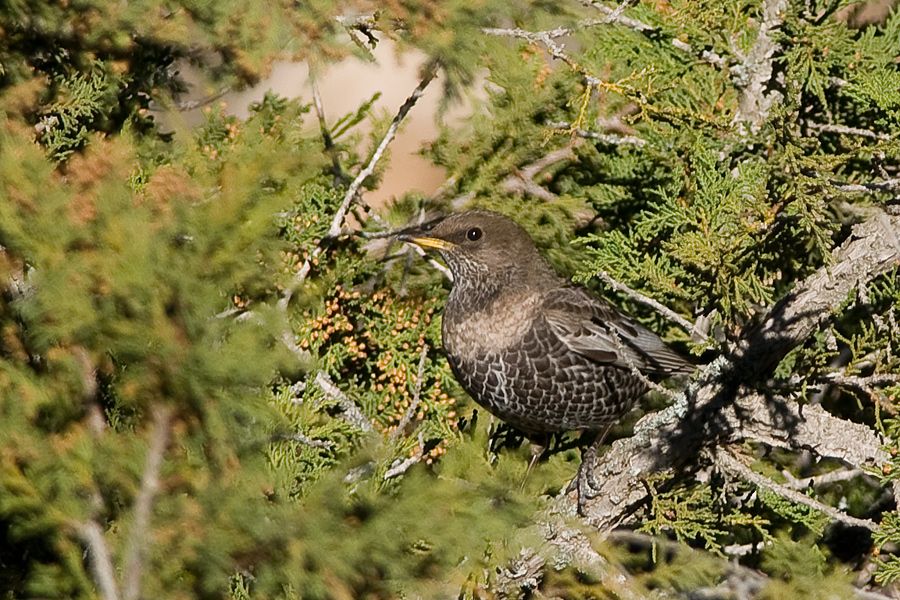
{"points": [[591, 327]]}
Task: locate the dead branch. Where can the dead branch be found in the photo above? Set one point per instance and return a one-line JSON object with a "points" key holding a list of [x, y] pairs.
{"points": [[327, 141], [604, 138], [302, 438], [838, 475], [783, 423], [846, 130], [887, 185], [549, 40], [615, 15], [402, 466]]}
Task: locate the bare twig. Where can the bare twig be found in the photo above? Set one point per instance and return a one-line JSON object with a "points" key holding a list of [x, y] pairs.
{"points": [[548, 39], [887, 185], [337, 221], [100, 559], [351, 411], [302, 438], [143, 504], [731, 464], [187, 105], [847, 130], [605, 138], [659, 307], [414, 405], [835, 476], [441, 268], [327, 140], [401, 467], [867, 384]]}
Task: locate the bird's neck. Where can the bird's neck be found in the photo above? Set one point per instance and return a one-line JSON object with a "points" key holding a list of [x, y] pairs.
{"points": [[484, 292]]}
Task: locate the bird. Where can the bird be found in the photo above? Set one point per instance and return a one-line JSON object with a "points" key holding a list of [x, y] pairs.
{"points": [[537, 351]]}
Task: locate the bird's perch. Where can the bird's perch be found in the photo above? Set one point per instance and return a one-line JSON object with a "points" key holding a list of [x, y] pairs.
{"points": [[719, 407]]}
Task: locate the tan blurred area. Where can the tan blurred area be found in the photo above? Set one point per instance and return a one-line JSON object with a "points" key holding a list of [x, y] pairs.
{"points": [[346, 85]]}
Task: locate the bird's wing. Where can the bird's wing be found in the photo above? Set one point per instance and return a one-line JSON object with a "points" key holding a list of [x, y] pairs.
{"points": [[591, 327]]}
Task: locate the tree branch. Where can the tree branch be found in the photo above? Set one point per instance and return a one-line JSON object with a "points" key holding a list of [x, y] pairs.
{"points": [[711, 408], [847, 130], [731, 464], [337, 221], [522, 180], [402, 466], [753, 74], [615, 15], [143, 504], [605, 138], [327, 141], [785, 424], [887, 185], [659, 307], [414, 405], [351, 411], [100, 559]]}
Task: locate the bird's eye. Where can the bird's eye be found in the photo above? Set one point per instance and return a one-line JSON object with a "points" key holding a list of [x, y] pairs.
{"points": [[474, 234]]}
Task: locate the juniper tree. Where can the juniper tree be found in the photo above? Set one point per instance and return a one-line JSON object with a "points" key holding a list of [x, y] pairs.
{"points": [[217, 384]]}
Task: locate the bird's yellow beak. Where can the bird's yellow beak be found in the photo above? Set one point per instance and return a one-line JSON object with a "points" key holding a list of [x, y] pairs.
{"points": [[428, 242]]}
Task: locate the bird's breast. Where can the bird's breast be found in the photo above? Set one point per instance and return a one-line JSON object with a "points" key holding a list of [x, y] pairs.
{"points": [[470, 332]]}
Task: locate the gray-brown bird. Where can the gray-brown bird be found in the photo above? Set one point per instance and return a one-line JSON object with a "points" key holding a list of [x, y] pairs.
{"points": [[538, 352]]}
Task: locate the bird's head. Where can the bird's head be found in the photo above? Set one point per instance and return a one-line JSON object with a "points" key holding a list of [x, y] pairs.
{"points": [[479, 244]]}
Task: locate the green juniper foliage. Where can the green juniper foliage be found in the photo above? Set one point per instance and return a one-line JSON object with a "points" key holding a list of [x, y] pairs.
{"points": [[174, 395]]}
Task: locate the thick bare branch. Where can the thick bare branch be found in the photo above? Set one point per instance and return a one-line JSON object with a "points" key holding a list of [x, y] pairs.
{"points": [[870, 251], [782, 423]]}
